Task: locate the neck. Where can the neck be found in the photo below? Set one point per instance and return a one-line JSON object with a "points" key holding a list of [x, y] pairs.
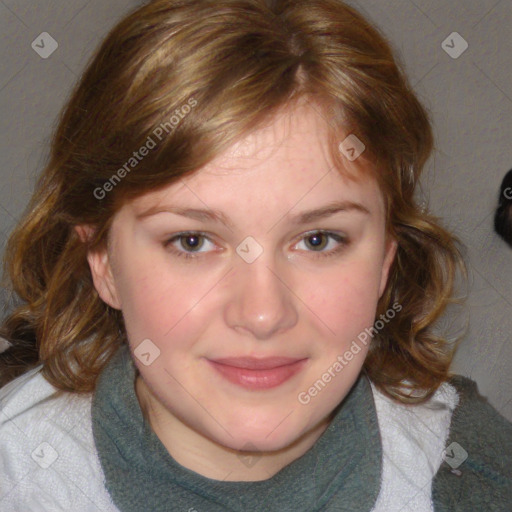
{"points": [[211, 459]]}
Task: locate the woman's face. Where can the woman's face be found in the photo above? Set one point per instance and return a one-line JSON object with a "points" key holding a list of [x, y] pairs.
{"points": [[234, 304]]}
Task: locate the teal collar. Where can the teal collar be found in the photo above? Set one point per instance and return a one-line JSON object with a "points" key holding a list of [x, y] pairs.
{"points": [[341, 472]]}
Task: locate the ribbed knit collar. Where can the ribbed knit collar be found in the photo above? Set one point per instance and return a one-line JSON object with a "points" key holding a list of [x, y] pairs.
{"points": [[340, 472]]}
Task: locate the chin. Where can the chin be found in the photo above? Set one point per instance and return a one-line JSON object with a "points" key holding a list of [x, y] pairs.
{"points": [[255, 438], [259, 443]]}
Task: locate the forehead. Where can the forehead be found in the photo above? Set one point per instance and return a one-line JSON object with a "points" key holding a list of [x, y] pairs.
{"points": [[285, 162], [295, 133]]}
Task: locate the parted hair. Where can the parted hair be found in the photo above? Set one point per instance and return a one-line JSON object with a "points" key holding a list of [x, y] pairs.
{"points": [[224, 68]]}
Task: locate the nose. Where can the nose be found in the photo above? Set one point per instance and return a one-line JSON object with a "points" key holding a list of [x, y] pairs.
{"points": [[260, 302]]}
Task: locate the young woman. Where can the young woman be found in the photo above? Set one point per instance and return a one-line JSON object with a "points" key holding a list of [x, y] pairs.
{"points": [[227, 288]]}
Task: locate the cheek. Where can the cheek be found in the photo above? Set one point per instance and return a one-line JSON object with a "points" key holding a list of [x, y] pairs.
{"points": [[154, 306], [149, 297], [345, 300], [164, 303]]}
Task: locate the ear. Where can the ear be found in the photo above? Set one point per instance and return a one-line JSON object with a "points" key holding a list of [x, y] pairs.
{"points": [[101, 269], [389, 256]]}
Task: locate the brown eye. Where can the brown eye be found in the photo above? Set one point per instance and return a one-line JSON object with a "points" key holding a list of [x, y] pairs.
{"points": [[323, 243], [190, 245], [191, 242], [317, 241]]}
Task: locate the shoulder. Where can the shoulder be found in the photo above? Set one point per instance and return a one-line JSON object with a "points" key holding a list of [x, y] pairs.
{"points": [[47, 456], [477, 469], [413, 438], [486, 433], [486, 420]]}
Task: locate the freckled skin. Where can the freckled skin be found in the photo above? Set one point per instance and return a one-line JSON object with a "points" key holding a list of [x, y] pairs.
{"points": [[291, 301]]}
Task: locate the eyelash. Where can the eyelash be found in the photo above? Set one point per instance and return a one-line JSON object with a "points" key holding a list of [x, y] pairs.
{"points": [[342, 240]]}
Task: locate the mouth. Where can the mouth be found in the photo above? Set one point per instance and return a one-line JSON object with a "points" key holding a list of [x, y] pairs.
{"points": [[258, 374]]}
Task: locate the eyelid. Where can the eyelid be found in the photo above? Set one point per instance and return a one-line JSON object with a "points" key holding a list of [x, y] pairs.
{"points": [[341, 238], [168, 243], [190, 232]]}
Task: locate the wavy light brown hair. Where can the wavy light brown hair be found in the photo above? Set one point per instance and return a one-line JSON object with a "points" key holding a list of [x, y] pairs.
{"points": [[241, 61]]}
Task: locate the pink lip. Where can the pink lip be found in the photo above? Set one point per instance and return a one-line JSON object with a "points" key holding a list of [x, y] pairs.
{"points": [[253, 373]]}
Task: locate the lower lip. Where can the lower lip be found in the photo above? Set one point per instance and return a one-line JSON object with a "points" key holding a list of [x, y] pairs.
{"points": [[259, 379]]}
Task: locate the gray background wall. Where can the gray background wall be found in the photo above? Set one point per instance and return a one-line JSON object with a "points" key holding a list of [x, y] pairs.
{"points": [[469, 95]]}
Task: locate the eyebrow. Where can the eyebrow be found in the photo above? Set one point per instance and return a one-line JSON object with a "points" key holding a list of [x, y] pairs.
{"points": [[213, 215]]}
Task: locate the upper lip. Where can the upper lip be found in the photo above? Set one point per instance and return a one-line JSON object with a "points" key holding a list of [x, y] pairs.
{"points": [[253, 363]]}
